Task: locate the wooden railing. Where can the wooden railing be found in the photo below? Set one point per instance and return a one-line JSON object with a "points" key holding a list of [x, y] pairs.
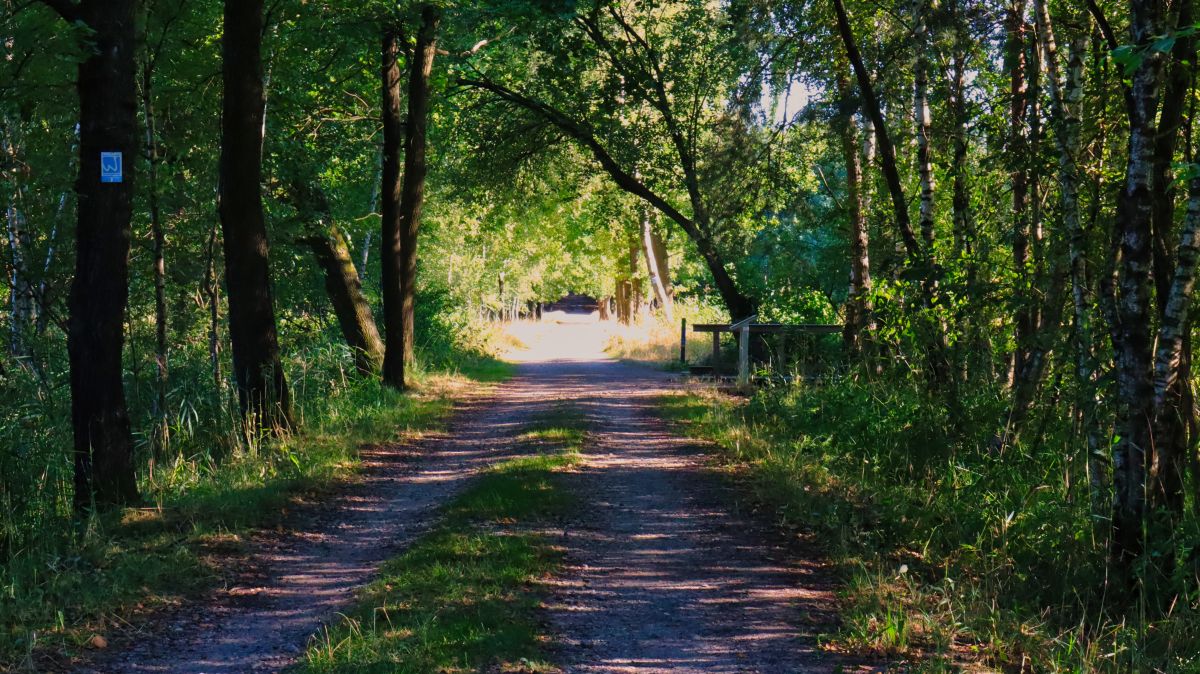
{"points": [[743, 329]]}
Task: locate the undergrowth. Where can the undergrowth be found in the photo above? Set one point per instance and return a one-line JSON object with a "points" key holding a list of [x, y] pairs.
{"points": [[952, 550], [463, 597], [68, 585]]}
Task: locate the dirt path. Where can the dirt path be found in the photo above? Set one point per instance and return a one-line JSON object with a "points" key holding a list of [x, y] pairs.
{"points": [[662, 578], [304, 579]]}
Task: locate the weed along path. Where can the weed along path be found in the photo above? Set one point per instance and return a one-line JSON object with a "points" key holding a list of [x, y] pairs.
{"points": [[657, 574]]}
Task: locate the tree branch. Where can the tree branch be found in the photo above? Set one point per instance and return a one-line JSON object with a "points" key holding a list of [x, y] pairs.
{"points": [[1105, 29], [584, 136]]}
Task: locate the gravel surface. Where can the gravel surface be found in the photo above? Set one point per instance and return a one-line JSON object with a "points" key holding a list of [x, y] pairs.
{"points": [[661, 577]]}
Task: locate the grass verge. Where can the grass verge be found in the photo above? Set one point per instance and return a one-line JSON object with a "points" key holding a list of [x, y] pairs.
{"points": [[952, 554], [74, 591], [464, 596]]}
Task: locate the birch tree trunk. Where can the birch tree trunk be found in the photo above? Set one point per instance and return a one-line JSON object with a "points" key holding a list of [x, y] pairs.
{"points": [[1066, 104], [923, 119], [1135, 387]]}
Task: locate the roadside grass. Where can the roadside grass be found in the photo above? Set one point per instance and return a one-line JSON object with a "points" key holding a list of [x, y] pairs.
{"points": [[83, 584], [952, 556], [464, 597], [654, 341]]}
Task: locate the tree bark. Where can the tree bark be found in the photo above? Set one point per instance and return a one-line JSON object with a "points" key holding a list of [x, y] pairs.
{"points": [[345, 294], [1174, 411], [103, 452], [1066, 99], [161, 346], [924, 122], [1135, 388], [858, 308], [415, 169], [657, 268], [885, 149], [1168, 459], [390, 254], [342, 281], [1017, 151], [262, 389]]}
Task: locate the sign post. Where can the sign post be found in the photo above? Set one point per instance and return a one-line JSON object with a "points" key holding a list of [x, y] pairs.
{"points": [[112, 167]]}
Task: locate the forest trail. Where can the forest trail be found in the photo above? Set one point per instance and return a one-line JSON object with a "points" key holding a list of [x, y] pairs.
{"points": [[661, 577]]}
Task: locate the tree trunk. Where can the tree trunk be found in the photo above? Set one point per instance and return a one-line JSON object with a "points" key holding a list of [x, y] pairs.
{"points": [[415, 169], [212, 291], [342, 282], [390, 254], [885, 149], [1174, 413], [858, 308], [262, 388], [1135, 387], [1168, 458], [1017, 152], [924, 122], [104, 471], [657, 269], [160, 269], [1066, 103]]}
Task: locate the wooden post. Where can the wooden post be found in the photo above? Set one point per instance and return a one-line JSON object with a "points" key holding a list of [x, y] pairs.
{"points": [[716, 354], [744, 355], [683, 341]]}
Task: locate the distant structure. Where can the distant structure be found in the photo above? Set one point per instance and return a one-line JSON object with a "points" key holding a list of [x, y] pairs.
{"points": [[572, 303]]}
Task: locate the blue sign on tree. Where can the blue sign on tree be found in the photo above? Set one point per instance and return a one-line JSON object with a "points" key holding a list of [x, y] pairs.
{"points": [[111, 167]]}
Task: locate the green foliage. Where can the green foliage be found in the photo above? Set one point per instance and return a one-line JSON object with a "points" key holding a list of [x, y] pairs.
{"points": [[946, 542]]}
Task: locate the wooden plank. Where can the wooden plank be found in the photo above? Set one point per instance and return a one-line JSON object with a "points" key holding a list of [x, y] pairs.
{"points": [[772, 328], [744, 355], [683, 341]]}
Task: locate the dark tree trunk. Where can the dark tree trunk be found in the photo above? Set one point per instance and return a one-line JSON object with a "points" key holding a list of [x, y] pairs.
{"points": [[1175, 415], [104, 472], [212, 291], [886, 150], [412, 194], [390, 259], [1014, 63], [342, 282], [262, 389], [161, 353], [1134, 314]]}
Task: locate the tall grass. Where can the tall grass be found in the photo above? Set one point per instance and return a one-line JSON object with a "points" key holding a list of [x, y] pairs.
{"points": [[63, 580], [655, 340], [951, 548]]}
